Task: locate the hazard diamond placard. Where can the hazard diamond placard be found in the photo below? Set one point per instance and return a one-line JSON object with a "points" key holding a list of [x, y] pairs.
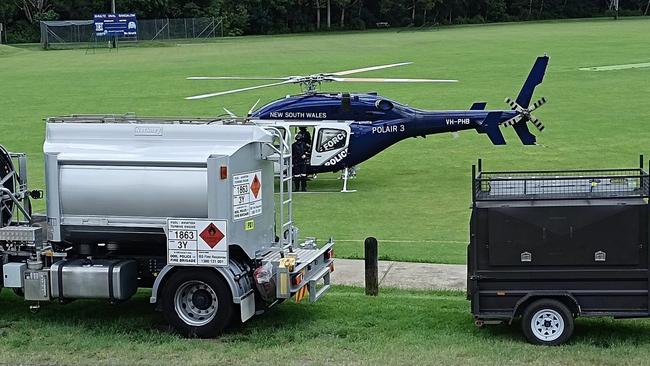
{"points": [[211, 235], [195, 242], [247, 195]]}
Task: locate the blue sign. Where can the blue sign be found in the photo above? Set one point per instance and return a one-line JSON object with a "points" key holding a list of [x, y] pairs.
{"points": [[116, 25]]}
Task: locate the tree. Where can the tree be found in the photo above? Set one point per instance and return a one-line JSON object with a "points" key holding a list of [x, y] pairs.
{"points": [[35, 10], [318, 7], [344, 4], [329, 14], [496, 10], [427, 6]]}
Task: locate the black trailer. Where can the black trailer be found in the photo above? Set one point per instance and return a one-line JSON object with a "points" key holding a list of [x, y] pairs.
{"points": [[549, 246]]}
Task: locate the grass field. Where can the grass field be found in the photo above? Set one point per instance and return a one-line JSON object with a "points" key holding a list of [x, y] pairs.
{"points": [[414, 197], [398, 327]]}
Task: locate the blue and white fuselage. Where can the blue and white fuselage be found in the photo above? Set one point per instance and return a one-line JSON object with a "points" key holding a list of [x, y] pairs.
{"points": [[351, 128]]}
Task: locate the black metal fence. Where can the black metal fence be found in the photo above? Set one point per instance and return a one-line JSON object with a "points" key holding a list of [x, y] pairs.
{"points": [[80, 33], [566, 184]]}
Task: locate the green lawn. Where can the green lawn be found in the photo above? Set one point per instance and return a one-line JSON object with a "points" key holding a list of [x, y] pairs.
{"points": [[346, 327], [414, 196]]}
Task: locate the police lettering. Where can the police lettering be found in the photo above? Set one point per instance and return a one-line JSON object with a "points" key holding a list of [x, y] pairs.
{"points": [[331, 143], [337, 159]]}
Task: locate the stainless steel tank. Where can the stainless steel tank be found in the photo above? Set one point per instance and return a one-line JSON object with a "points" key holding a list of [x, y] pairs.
{"points": [[118, 181]]}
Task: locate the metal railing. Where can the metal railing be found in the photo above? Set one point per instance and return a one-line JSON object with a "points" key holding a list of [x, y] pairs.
{"points": [[560, 184]]}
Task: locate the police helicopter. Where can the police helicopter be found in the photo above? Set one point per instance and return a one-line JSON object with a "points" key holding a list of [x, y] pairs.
{"points": [[350, 128]]}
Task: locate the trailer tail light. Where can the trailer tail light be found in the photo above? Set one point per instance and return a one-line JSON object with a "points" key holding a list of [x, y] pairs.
{"points": [[223, 172], [297, 279], [329, 254]]}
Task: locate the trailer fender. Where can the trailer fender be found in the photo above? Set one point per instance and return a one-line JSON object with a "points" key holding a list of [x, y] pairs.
{"points": [[563, 296], [235, 276]]}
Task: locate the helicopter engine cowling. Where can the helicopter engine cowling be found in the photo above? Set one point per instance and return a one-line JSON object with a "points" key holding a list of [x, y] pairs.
{"points": [[384, 105]]}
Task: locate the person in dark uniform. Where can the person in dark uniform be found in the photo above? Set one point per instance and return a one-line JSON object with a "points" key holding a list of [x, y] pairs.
{"points": [[299, 153], [306, 136]]}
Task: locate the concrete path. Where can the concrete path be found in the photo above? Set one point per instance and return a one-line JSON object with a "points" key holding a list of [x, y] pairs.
{"points": [[423, 276]]}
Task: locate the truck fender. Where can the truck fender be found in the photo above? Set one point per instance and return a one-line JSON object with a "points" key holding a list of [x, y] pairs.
{"points": [[227, 275], [529, 297]]}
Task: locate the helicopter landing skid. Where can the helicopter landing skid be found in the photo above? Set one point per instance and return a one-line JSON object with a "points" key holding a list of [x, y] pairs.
{"points": [[346, 176]]}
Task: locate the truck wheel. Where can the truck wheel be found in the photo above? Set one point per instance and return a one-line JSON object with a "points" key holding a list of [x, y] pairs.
{"points": [[197, 303], [547, 322]]}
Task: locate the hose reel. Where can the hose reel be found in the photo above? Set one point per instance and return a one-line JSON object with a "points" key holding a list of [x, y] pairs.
{"points": [[7, 181]]}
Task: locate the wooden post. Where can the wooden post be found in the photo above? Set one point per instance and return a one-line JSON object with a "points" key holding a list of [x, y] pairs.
{"points": [[372, 269]]}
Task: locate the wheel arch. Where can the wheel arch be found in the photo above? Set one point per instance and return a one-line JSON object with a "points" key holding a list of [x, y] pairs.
{"points": [[169, 270], [565, 298]]}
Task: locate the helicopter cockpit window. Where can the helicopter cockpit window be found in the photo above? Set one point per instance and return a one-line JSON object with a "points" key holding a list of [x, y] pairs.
{"points": [[331, 139]]}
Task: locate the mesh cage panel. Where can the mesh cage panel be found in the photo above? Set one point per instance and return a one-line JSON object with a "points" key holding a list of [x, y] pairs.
{"points": [[569, 184]]}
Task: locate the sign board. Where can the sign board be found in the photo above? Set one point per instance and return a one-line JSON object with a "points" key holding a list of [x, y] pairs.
{"points": [[247, 195], [117, 25], [196, 242]]}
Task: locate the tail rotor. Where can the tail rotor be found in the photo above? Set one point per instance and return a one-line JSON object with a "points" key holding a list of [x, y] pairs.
{"points": [[525, 114]]}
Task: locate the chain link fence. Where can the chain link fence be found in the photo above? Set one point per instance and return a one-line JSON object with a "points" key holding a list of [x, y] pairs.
{"points": [[80, 33]]}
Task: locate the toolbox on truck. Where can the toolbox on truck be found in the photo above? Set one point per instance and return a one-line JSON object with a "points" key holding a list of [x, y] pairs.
{"points": [[577, 238]]}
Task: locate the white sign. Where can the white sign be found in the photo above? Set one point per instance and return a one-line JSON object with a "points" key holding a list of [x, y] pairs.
{"points": [[246, 195], [192, 242]]}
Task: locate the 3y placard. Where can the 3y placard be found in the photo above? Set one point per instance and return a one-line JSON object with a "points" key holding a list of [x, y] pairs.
{"points": [[192, 242], [247, 195]]}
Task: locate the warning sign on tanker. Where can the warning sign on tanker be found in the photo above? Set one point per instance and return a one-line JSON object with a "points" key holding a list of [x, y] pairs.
{"points": [[247, 195], [192, 242]]}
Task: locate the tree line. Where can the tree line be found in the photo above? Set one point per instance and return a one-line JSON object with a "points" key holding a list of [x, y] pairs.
{"points": [[240, 17]]}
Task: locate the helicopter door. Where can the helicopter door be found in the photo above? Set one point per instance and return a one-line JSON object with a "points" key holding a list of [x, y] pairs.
{"points": [[330, 145]]}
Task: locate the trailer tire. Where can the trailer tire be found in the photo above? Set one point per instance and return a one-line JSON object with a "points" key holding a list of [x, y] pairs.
{"points": [[197, 303], [547, 322]]}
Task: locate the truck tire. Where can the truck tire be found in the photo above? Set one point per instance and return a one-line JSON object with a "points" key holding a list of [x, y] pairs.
{"points": [[547, 322], [197, 303]]}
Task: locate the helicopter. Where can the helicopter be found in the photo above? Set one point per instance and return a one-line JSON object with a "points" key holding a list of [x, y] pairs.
{"points": [[350, 128]]}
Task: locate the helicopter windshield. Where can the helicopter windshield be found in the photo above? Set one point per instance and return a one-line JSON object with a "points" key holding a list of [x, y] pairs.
{"points": [[331, 139]]}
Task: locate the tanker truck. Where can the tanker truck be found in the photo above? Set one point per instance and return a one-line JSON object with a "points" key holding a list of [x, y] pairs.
{"points": [[186, 207]]}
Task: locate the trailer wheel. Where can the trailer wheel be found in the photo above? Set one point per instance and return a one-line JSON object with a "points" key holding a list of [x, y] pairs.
{"points": [[547, 322], [197, 303]]}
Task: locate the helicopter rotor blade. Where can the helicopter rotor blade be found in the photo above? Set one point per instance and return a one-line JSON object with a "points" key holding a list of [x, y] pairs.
{"points": [[235, 78], [514, 105], [250, 111], [231, 114], [384, 80], [512, 121], [537, 104], [203, 96], [538, 124], [371, 68]]}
